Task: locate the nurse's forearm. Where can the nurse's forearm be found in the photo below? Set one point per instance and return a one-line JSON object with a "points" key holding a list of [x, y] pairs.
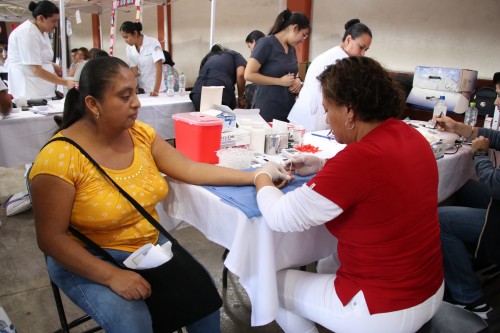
{"points": [[159, 75], [47, 76]]}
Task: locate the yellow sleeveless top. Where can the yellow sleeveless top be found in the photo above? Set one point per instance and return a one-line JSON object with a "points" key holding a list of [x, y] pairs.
{"points": [[99, 211]]}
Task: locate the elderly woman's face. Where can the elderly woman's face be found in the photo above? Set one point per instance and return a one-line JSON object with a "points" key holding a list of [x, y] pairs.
{"points": [[336, 117]]}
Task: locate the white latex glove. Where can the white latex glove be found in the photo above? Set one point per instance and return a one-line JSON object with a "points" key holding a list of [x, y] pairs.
{"points": [[305, 165], [275, 171]]}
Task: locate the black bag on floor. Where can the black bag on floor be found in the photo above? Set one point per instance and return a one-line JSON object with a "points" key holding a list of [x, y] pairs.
{"points": [[488, 248], [182, 290], [484, 99]]}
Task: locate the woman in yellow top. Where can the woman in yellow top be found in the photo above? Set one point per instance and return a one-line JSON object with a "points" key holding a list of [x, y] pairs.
{"points": [[68, 190]]}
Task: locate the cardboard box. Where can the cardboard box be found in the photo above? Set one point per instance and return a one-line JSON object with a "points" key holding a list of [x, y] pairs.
{"points": [[445, 79]]}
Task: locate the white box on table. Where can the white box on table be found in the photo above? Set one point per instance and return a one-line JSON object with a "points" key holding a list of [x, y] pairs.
{"points": [[445, 79]]}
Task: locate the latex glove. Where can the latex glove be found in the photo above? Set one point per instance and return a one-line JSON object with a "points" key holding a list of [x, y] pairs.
{"points": [[275, 171], [305, 165]]}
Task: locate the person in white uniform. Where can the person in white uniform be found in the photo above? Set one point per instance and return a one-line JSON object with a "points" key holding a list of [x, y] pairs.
{"points": [[145, 57], [32, 74], [308, 110]]}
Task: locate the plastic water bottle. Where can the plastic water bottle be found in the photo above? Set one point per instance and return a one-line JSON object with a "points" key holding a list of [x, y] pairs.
{"points": [[470, 117], [439, 109], [170, 86], [182, 84]]}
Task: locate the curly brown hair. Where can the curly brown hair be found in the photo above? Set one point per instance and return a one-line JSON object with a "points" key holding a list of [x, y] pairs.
{"points": [[364, 85]]}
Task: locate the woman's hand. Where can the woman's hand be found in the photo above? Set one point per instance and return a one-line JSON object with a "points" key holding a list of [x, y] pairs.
{"points": [[276, 172], [480, 143], [130, 285], [153, 93], [296, 86], [69, 83], [305, 165], [242, 102], [286, 80]]}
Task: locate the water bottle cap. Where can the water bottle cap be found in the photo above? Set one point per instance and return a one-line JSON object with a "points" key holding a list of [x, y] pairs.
{"points": [[473, 104], [442, 97]]}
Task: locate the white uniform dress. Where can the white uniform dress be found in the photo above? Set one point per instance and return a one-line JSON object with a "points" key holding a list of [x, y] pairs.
{"points": [[145, 59], [28, 46], [308, 110]]}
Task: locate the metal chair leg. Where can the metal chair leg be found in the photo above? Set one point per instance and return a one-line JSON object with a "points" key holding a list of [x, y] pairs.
{"points": [[224, 270]]}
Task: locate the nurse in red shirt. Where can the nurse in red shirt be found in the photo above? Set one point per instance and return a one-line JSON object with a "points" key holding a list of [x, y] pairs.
{"points": [[378, 197]]}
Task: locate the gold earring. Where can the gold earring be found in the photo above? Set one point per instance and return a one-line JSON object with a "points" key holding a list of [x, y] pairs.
{"points": [[97, 115]]}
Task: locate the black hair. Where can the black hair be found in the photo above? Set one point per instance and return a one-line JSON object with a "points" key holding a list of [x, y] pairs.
{"points": [[96, 53], [496, 78], [168, 58], [130, 27], [355, 28], [45, 8], [216, 49], [364, 85], [286, 18], [254, 36], [85, 52], [96, 78], [74, 50]]}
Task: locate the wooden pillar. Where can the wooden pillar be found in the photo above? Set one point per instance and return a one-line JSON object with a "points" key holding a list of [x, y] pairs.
{"points": [[304, 6], [162, 34], [96, 33]]}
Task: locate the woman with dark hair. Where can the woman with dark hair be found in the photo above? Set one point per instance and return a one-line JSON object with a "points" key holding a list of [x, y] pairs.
{"points": [[273, 66], [253, 37], [221, 67], [32, 74], [67, 190], [169, 69], [145, 57], [390, 277], [308, 110]]}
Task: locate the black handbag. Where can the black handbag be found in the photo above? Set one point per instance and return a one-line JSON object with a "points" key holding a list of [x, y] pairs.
{"points": [[182, 289], [488, 248], [485, 100]]}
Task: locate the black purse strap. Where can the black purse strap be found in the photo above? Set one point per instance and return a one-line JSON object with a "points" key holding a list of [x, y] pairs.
{"points": [[137, 206]]}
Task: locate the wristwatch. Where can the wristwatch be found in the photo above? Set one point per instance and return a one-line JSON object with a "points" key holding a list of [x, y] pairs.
{"points": [[479, 152]]}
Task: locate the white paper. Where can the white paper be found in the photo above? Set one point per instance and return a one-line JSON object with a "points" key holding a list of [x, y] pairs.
{"points": [[251, 114], [149, 256], [210, 96], [78, 17], [280, 126]]}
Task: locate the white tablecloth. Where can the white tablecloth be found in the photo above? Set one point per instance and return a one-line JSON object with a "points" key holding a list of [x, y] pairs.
{"points": [[256, 252], [23, 134]]}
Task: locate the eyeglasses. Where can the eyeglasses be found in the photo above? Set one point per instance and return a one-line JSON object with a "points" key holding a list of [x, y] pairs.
{"points": [[305, 35]]}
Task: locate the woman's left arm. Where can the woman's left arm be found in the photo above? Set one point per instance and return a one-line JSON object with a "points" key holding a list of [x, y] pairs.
{"points": [[240, 83], [173, 163], [158, 78]]}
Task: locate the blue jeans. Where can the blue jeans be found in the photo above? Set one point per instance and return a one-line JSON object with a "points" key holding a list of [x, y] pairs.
{"points": [[460, 231], [111, 311]]}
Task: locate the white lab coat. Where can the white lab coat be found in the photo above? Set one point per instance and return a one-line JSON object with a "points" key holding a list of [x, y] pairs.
{"points": [[308, 110], [28, 46], [145, 59]]}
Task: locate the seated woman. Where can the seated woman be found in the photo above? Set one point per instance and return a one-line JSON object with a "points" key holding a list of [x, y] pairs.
{"points": [[377, 199], [169, 69], [461, 225], [221, 67], [67, 190]]}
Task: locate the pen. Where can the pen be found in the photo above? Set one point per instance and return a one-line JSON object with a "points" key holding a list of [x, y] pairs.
{"points": [[323, 136], [436, 123]]}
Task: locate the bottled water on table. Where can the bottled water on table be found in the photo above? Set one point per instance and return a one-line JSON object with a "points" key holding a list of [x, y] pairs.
{"points": [[470, 117], [170, 86], [439, 109], [182, 84]]}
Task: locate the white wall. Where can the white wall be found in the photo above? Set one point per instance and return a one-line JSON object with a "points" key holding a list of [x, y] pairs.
{"points": [[446, 33]]}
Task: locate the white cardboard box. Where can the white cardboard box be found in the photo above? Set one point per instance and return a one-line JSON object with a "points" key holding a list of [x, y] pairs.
{"points": [[445, 79]]}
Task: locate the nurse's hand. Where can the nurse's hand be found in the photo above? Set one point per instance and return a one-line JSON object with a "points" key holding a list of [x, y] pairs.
{"points": [[153, 93], [69, 83], [287, 80]]}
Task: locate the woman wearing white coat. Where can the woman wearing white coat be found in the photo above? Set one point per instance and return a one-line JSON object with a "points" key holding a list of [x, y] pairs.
{"points": [[307, 110], [145, 57], [32, 74]]}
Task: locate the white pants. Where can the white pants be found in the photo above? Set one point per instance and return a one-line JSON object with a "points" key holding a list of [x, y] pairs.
{"points": [[307, 298]]}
